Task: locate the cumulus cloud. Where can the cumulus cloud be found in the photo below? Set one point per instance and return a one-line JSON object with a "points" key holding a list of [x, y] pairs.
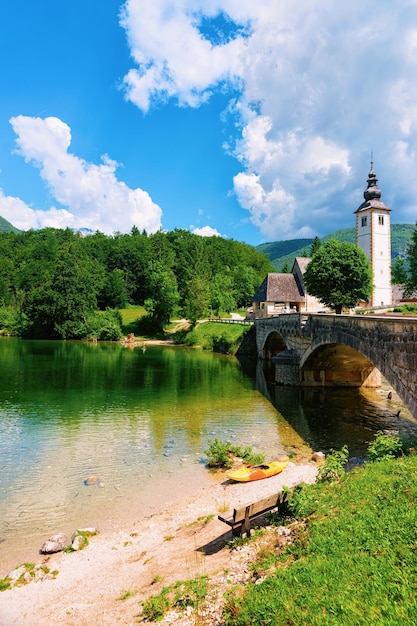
{"points": [[206, 231], [317, 87], [173, 58], [24, 217], [92, 195]]}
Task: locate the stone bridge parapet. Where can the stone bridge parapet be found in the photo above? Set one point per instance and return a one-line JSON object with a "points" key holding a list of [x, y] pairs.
{"points": [[320, 349]]}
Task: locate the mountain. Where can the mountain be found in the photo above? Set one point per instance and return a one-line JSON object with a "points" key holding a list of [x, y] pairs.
{"points": [[278, 249], [6, 227], [282, 252]]}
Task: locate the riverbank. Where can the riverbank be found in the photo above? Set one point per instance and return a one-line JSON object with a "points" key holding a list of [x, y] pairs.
{"points": [[106, 583]]}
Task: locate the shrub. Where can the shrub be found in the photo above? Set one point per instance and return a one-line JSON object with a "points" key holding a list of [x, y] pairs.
{"points": [[106, 326], [220, 454], [223, 344], [334, 466], [155, 607], [217, 337], [13, 322], [406, 308], [384, 445], [302, 501]]}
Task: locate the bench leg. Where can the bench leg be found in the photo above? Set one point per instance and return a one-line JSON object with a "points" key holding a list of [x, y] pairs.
{"points": [[237, 531], [247, 522]]}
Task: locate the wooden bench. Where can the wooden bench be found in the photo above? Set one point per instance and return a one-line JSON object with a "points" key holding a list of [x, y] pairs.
{"points": [[241, 519]]}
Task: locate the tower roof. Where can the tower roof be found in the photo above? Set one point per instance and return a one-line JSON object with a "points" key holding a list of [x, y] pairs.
{"points": [[372, 194]]}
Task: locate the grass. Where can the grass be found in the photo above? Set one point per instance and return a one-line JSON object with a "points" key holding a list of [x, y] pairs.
{"points": [[24, 579], [353, 561], [84, 534], [182, 594], [211, 336], [5, 583], [224, 338], [156, 579], [130, 317], [126, 594], [223, 504], [203, 520]]}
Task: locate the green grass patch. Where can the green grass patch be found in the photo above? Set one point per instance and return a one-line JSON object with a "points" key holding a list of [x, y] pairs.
{"points": [[125, 595], [353, 560], [5, 583], [203, 520], [130, 316], [84, 534], [224, 338], [181, 595]]}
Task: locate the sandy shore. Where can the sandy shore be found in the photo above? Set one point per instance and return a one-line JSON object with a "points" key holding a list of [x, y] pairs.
{"points": [[182, 542]]}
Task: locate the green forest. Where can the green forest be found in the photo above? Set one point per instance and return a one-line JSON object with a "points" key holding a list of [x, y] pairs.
{"points": [[59, 284]]}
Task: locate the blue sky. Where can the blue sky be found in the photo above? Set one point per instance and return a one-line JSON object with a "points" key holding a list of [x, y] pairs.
{"points": [[251, 120]]}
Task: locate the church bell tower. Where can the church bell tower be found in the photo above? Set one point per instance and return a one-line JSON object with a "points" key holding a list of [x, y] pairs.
{"points": [[373, 235]]}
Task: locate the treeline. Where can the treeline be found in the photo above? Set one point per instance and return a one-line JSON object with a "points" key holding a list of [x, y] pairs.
{"points": [[58, 284]]}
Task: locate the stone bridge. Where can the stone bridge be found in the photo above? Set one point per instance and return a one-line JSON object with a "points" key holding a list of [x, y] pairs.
{"points": [[342, 350]]}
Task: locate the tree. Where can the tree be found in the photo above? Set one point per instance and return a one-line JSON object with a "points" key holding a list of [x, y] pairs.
{"points": [[340, 275], [411, 282], [162, 286], [59, 309], [246, 282], [113, 295], [197, 299], [399, 274], [221, 293], [285, 268], [315, 246], [195, 296]]}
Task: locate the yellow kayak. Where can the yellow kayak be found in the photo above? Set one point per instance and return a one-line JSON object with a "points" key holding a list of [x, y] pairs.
{"points": [[256, 472]]}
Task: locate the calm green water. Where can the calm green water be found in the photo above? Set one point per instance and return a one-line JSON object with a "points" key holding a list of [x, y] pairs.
{"points": [[140, 421]]}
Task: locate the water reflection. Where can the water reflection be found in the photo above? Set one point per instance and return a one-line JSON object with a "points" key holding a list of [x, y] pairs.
{"points": [[330, 417], [140, 421]]}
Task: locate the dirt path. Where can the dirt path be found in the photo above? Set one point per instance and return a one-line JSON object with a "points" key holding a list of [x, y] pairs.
{"points": [[185, 541]]}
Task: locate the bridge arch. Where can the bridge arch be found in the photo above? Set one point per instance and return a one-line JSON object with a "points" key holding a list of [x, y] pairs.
{"points": [[274, 343], [386, 343], [337, 364]]}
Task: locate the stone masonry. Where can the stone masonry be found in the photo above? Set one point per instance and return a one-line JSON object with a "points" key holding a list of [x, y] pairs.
{"points": [[342, 350]]}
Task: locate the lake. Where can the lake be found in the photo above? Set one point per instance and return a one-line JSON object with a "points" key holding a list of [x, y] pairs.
{"points": [[138, 422]]}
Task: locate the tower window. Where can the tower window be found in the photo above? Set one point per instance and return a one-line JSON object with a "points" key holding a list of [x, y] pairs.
{"points": [[364, 221], [381, 220]]}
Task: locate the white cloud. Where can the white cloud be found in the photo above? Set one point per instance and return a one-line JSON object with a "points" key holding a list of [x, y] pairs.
{"points": [[205, 231], [93, 196], [173, 59], [320, 86]]}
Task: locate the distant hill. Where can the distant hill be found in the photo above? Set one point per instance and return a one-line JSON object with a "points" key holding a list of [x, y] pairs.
{"points": [[279, 249], [282, 252], [6, 227]]}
